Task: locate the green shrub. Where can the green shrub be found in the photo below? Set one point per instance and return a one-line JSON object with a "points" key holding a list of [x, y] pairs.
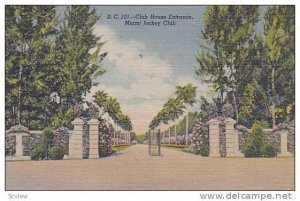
{"points": [[56, 153], [47, 139], [189, 150], [204, 149], [48, 133], [260, 124], [257, 139], [38, 152], [268, 150], [249, 150], [253, 147], [257, 146]]}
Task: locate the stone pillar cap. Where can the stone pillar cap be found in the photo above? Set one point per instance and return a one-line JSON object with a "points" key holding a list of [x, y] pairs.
{"points": [[77, 121], [283, 131], [23, 134], [93, 121], [214, 121], [230, 120], [18, 133], [36, 132]]}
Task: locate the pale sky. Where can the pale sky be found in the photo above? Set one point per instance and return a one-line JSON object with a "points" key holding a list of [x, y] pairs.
{"points": [[146, 63], [143, 85]]}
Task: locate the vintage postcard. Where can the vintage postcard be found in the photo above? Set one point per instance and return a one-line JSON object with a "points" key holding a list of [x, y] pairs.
{"points": [[116, 97]]}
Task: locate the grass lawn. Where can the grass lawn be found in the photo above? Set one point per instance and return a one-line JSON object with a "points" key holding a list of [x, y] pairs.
{"points": [[120, 148]]}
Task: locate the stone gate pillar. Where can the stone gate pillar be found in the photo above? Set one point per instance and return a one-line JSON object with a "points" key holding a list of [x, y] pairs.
{"points": [[283, 144], [75, 141], [214, 138], [232, 139], [19, 143], [94, 138]]}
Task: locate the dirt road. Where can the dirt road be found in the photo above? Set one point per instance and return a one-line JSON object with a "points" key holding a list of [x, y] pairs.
{"points": [[133, 169]]}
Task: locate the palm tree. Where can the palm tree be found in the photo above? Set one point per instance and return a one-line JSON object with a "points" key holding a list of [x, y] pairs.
{"points": [[128, 129], [176, 109], [161, 117], [187, 94], [112, 107], [154, 123], [100, 97], [165, 118], [124, 122]]}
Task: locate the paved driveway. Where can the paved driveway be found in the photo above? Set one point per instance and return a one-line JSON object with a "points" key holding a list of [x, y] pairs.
{"points": [[133, 169]]}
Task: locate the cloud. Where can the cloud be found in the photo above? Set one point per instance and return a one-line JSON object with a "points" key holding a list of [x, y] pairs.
{"points": [[141, 80], [137, 78]]}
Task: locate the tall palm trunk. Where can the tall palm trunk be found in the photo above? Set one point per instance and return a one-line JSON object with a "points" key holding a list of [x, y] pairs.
{"points": [[235, 107], [122, 134], [175, 135], [115, 134], [19, 96], [187, 129], [273, 98], [169, 135]]}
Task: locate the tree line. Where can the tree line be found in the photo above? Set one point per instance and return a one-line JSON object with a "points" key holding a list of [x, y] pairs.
{"points": [[50, 63], [175, 107], [251, 73], [254, 72], [111, 106]]}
